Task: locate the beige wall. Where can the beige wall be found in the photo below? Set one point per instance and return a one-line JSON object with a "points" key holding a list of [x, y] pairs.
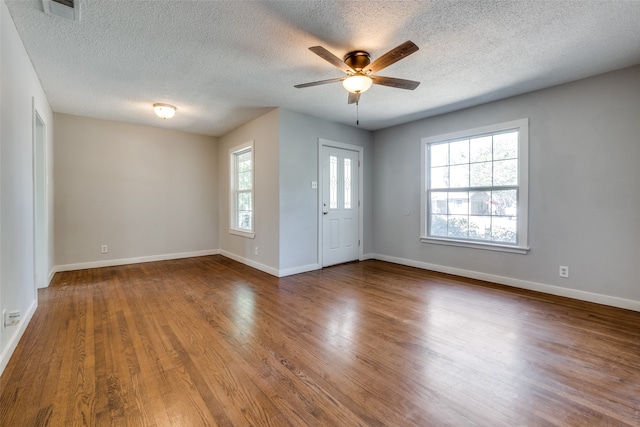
{"points": [[145, 192]]}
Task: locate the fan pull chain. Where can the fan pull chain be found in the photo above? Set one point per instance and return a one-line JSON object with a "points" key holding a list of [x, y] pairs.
{"points": [[357, 113]]}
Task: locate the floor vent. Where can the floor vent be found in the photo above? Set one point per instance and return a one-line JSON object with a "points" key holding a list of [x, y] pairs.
{"points": [[69, 9]]}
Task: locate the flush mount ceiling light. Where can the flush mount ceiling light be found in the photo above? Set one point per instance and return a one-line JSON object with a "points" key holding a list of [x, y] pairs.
{"points": [[164, 111], [357, 83]]}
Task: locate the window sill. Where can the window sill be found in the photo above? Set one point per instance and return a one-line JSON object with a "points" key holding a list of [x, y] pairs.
{"points": [[474, 245], [247, 234]]}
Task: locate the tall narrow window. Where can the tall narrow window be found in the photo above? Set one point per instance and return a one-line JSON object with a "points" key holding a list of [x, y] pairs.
{"points": [[333, 182], [241, 179], [476, 185], [347, 183]]}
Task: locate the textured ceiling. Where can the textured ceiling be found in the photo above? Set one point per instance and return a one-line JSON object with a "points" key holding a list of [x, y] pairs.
{"points": [[223, 63]]}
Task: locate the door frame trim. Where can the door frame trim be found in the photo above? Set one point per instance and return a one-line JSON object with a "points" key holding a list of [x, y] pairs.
{"points": [[344, 146], [40, 201]]}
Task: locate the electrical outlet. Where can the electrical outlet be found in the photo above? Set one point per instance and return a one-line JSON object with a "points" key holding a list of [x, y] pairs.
{"points": [[11, 318], [256, 250], [564, 271], [104, 249]]}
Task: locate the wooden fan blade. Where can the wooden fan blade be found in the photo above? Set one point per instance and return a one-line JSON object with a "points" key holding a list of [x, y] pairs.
{"points": [[330, 58], [353, 98], [393, 82], [391, 57], [320, 82]]}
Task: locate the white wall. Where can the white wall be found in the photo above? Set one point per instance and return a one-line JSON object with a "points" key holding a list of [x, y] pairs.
{"points": [[19, 86], [583, 198], [147, 193], [299, 135], [264, 131]]}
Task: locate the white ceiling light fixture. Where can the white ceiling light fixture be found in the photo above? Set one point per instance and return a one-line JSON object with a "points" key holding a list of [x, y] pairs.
{"points": [[357, 83], [164, 111]]}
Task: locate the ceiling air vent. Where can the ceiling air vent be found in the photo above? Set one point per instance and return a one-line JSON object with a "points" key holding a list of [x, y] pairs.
{"points": [[69, 9]]}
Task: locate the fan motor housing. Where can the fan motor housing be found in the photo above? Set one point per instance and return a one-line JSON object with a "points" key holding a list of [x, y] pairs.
{"points": [[357, 59]]}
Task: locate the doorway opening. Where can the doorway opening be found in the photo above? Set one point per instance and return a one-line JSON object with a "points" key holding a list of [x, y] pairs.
{"points": [[39, 201]]}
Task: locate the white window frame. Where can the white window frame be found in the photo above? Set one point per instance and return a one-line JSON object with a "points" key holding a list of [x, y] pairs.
{"points": [[521, 247], [233, 185]]}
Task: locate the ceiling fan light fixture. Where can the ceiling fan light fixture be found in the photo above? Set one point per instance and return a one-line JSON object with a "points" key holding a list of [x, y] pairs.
{"points": [[164, 111], [357, 83]]}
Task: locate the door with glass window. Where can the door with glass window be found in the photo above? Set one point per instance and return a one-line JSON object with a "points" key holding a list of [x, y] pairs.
{"points": [[340, 201]]}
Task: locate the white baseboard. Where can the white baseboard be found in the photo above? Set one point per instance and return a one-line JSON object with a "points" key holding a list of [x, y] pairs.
{"points": [[517, 283], [250, 263], [137, 260], [17, 334], [270, 270], [52, 273], [164, 257], [297, 270]]}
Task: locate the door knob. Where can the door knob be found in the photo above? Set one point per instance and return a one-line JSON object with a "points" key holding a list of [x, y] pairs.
{"points": [[324, 212]]}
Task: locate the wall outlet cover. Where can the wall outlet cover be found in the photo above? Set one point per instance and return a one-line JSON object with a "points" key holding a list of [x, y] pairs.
{"points": [[564, 271]]}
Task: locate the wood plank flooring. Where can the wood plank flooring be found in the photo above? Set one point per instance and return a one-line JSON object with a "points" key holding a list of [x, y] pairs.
{"points": [[208, 341]]}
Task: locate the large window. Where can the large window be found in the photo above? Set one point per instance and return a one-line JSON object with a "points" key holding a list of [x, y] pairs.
{"points": [[241, 179], [476, 187]]}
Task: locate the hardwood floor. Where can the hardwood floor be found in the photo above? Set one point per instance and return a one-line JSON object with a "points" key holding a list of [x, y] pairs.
{"points": [[208, 341]]}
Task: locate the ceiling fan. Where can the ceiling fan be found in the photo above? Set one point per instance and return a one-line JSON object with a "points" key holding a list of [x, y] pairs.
{"points": [[359, 68]]}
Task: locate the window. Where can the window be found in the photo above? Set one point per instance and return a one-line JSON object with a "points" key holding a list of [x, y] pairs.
{"points": [[241, 205], [476, 187], [333, 183]]}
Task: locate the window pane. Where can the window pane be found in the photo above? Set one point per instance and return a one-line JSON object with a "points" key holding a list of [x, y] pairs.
{"points": [[439, 177], [439, 154], [458, 226], [244, 180], [505, 146], [243, 201], [244, 211], [458, 203], [438, 226], [480, 203], [480, 174], [439, 202], [504, 203], [459, 176], [459, 152], [245, 220], [505, 172], [333, 182], [503, 230], [480, 149], [347, 183], [480, 227], [244, 161]]}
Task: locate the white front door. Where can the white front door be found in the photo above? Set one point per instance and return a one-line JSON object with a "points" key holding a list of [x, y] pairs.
{"points": [[340, 199]]}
